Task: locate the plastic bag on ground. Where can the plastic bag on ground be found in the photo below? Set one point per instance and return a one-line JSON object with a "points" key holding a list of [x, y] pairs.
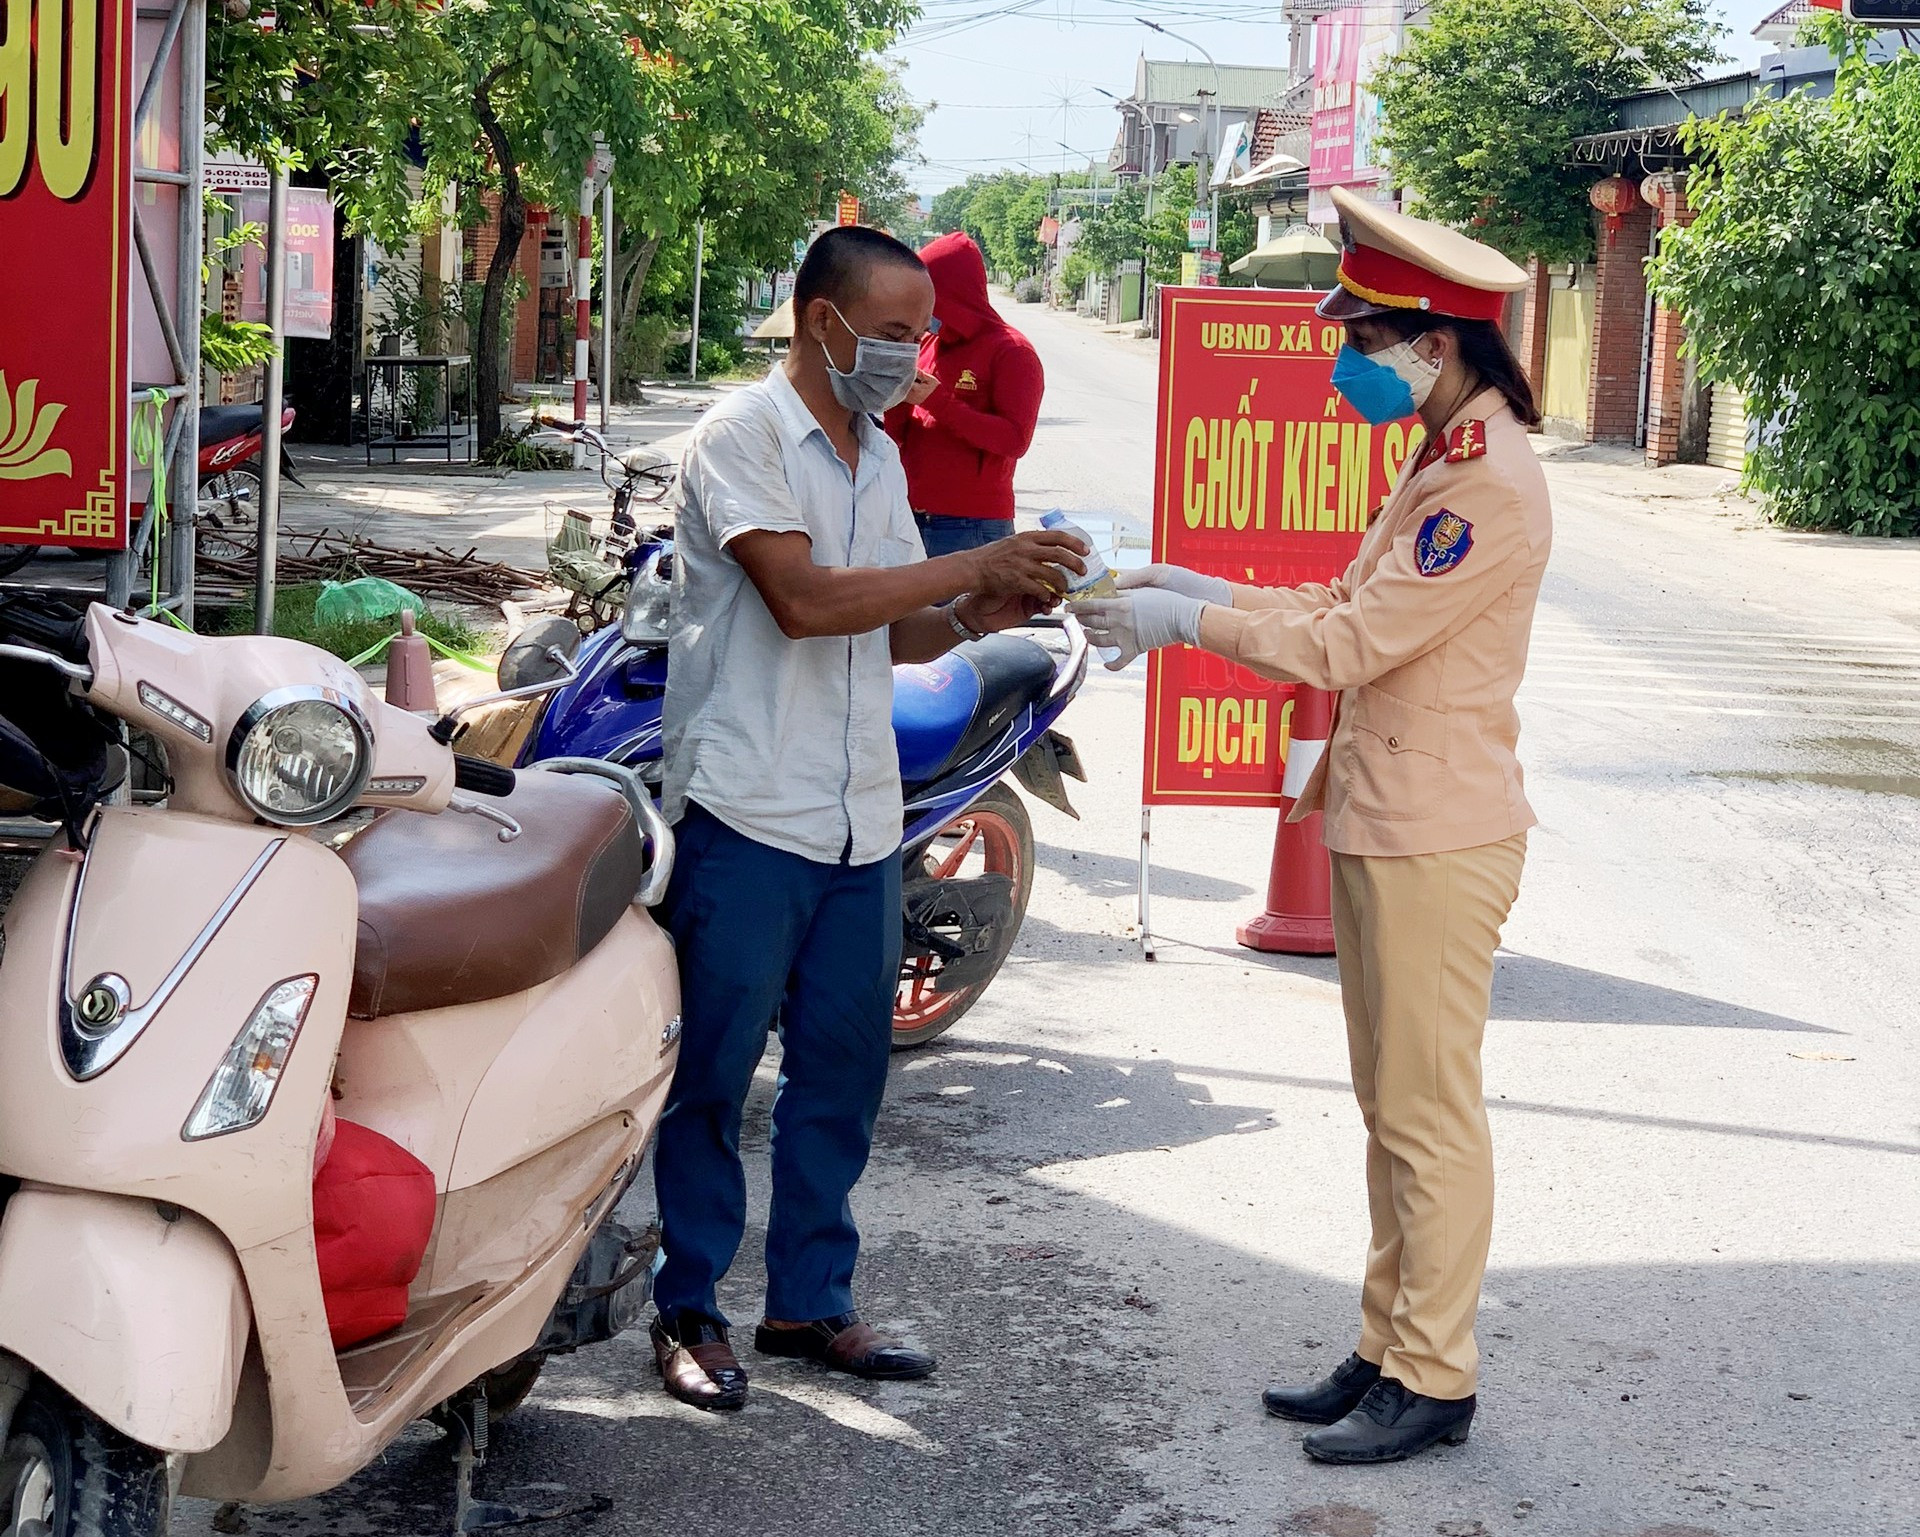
{"points": [[365, 598]]}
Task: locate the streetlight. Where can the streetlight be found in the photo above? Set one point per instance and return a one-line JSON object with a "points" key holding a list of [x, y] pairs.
{"points": [[1214, 231], [1093, 169]]}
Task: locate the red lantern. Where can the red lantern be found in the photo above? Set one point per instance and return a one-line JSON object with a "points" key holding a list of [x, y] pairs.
{"points": [[1613, 197]]}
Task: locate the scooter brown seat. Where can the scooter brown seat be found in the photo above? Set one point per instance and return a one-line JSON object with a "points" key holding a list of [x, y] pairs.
{"points": [[451, 915]]}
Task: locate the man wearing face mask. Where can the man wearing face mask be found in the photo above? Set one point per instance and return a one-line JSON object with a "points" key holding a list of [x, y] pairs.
{"points": [[1424, 638], [799, 581]]}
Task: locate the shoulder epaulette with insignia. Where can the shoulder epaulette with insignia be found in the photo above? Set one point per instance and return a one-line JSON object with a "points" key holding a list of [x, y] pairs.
{"points": [[1467, 441]]}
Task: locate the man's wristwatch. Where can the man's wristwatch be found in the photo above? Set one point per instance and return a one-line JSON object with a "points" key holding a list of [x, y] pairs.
{"points": [[960, 626]]}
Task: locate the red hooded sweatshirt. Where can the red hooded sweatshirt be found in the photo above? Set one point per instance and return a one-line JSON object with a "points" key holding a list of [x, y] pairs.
{"points": [[961, 443]]}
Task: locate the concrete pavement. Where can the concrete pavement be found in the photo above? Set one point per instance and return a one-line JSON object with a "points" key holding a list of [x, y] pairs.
{"points": [[1120, 1198]]}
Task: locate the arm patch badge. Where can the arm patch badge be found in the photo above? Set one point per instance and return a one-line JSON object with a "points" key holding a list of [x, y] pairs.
{"points": [[1444, 541]]}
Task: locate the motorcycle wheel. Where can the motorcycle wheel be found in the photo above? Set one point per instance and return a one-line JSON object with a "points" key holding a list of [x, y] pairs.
{"points": [[229, 515], [65, 1473], [508, 1386], [994, 836]]}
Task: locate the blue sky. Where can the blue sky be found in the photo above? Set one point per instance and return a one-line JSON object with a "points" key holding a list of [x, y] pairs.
{"points": [[1018, 82]]}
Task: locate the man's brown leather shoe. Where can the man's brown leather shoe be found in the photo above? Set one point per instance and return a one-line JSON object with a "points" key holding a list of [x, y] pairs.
{"points": [[697, 1364], [845, 1344]]}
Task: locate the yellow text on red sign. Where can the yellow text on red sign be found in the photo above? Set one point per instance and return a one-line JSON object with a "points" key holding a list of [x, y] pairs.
{"points": [[49, 97]]}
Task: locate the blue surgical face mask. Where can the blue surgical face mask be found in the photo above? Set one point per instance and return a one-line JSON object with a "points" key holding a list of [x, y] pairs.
{"points": [[1386, 385]]}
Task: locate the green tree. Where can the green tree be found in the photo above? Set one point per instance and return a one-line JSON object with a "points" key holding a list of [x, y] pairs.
{"points": [[1480, 106], [337, 89], [1799, 284], [768, 111]]}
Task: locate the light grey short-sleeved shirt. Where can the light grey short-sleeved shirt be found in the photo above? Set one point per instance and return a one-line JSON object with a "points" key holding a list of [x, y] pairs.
{"points": [[789, 742]]}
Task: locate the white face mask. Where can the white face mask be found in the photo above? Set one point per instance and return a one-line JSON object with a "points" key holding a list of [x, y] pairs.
{"points": [[1419, 373], [882, 372]]}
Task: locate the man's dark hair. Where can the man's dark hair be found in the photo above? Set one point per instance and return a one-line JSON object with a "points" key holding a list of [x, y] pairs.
{"points": [[839, 263]]}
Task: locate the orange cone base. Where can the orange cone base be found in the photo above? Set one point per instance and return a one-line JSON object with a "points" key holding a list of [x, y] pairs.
{"points": [[1281, 934]]}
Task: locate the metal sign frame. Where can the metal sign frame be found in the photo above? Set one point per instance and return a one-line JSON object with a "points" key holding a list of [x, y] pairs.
{"points": [[185, 30]]}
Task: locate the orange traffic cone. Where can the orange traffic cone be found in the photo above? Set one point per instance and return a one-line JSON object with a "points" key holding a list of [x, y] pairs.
{"points": [[410, 670], [1299, 915]]}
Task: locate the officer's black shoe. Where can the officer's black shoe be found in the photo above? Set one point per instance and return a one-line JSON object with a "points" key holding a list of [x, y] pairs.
{"points": [[1391, 1423], [1332, 1398]]}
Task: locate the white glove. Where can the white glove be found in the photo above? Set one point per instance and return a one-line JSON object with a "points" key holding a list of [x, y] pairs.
{"points": [[1189, 584], [1139, 621]]}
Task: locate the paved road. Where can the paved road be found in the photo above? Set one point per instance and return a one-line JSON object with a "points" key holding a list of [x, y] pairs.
{"points": [[1124, 1197]]}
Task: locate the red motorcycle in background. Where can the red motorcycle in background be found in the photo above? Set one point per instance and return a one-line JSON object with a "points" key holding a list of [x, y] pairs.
{"points": [[231, 438]]}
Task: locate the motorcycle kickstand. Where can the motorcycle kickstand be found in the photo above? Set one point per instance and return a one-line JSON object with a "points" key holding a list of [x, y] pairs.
{"points": [[467, 1420]]}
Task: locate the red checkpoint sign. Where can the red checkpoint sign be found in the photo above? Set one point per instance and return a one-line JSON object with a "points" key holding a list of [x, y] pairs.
{"points": [[65, 202], [1264, 475]]}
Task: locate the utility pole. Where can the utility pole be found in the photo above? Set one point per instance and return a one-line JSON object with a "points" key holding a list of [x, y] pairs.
{"points": [[268, 540], [606, 304], [699, 264], [583, 312], [1214, 237]]}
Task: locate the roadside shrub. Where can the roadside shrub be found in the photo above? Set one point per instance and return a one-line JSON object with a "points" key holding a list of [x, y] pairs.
{"points": [[1029, 291], [716, 358], [1799, 284], [519, 450]]}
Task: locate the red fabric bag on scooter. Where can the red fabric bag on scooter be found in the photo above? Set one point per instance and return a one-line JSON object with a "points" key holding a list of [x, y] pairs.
{"points": [[373, 1205]]}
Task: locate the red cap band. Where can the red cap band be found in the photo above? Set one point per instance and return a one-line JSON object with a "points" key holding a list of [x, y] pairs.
{"points": [[1369, 273]]}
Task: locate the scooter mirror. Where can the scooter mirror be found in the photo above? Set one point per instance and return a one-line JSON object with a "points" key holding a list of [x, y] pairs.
{"points": [[529, 662]]}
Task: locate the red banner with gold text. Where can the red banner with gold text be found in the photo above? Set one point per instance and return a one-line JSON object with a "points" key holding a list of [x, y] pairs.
{"points": [[1264, 475], [66, 103]]}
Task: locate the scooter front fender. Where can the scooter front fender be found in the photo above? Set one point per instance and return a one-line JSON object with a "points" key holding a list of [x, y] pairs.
{"points": [[136, 1310]]}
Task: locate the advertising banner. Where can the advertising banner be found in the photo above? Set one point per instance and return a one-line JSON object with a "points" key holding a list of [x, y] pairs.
{"points": [[66, 150], [309, 302], [1350, 46], [1263, 474]]}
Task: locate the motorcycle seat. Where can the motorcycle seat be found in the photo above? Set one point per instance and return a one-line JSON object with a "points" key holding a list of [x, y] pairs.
{"points": [[222, 424], [946, 710], [451, 915]]}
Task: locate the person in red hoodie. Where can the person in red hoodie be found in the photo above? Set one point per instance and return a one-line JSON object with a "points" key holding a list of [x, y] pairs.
{"points": [[972, 413]]}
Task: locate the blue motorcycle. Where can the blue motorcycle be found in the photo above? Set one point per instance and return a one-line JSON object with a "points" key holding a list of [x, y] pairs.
{"points": [[963, 724]]}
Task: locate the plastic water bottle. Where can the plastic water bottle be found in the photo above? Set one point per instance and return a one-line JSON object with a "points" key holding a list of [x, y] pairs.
{"points": [[1097, 582]]}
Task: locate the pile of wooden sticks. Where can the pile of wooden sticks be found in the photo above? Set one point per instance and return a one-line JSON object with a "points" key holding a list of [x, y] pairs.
{"points": [[225, 562]]}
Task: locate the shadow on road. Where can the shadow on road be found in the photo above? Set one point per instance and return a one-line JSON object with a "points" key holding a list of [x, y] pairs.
{"points": [[1530, 988]]}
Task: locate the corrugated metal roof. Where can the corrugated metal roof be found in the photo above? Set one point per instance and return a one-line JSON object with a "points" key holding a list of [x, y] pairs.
{"points": [[1241, 85], [1699, 98]]}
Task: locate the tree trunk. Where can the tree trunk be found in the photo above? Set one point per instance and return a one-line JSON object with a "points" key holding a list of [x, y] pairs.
{"points": [[513, 225], [630, 279]]}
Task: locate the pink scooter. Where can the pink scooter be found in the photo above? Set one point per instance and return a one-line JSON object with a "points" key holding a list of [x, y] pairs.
{"points": [[193, 995]]}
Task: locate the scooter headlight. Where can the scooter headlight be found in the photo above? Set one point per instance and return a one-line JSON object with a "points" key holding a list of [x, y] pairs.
{"points": [[241, 1088], [300, 755]]}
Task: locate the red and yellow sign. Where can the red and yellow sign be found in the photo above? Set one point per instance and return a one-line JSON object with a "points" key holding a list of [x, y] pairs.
{"points": [[66, 103], [849, 209], [1263, 475]]}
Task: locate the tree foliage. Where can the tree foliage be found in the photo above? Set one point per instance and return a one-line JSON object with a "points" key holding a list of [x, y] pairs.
{"points": [[1480, 107], [749, 115], [1002, 210], [1799, 284]]}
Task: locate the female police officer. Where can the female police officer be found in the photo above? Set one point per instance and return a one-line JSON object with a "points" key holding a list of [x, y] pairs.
{"points": [[1424, 638]]}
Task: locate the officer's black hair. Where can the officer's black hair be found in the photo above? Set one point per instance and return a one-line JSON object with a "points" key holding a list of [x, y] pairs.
{"points": [[1483, 348], [840, 262]]}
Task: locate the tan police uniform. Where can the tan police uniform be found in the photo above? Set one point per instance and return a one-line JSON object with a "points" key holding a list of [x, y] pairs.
{"points": [[1424, 639]]}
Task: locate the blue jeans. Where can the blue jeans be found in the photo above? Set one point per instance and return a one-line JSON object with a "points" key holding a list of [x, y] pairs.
{"points": [[947, 536], [763, 933]]}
